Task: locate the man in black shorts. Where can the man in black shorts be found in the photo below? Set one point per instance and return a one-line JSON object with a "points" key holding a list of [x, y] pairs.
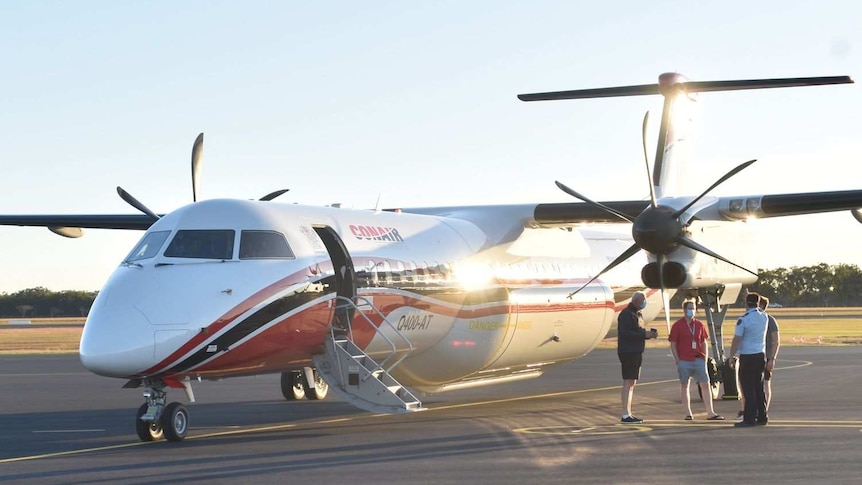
{"points": [[631, 339]]}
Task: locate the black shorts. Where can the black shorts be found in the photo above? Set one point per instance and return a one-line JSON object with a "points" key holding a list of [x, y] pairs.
{"points": [[631, 365]]}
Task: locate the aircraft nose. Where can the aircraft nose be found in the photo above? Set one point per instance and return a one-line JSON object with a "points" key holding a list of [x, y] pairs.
{"points": [[117, 341]]}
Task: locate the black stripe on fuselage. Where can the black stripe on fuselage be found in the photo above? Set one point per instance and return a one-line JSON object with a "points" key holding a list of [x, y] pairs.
{"points": [[254, 322]]}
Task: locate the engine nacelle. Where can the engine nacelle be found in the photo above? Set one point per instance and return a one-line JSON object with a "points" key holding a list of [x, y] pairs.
{"points": [[675, 275]]}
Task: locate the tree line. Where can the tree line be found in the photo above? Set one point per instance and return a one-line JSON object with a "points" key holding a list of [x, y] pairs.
{"points": [[812, 286], [41, 302], [799, 286]]}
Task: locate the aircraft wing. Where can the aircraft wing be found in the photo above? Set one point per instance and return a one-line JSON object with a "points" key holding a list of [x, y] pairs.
{"points": [[567, 213], [780, 205], [581, 213], [715, 208], [138, 222]]}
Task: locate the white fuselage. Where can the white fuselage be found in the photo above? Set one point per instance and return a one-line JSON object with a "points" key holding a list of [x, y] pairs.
{"points": [[206, 295]]}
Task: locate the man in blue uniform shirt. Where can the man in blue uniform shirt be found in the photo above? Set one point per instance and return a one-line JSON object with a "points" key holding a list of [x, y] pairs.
{"points": [[749, 339]]}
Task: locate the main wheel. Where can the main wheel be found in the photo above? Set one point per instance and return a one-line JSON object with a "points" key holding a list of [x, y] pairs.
{"points": [[713, 390], [147, 430], [175, 421], [292, 385], [320, 390]]}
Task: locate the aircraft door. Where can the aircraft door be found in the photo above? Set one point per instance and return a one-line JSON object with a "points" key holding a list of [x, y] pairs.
{"points": [[342, 264]]}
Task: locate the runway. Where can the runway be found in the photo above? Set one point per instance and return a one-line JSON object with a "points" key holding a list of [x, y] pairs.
{"points": [[61, 424]]}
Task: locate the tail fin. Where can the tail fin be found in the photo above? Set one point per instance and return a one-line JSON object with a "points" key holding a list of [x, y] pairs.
{"points": [[673, 147]]}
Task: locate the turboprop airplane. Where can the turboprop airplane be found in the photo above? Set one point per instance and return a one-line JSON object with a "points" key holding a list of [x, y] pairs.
{"points": [[379, 304]]}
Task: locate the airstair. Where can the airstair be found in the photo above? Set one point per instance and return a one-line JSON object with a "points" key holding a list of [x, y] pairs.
{"points": [[352, 373]]}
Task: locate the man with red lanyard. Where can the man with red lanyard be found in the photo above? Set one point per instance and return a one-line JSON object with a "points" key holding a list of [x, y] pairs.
{"points": [[688, 345]]}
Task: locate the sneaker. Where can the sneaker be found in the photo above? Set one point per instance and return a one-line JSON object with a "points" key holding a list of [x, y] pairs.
{"points": [[740, 415], [716, 417], [631, 420]]}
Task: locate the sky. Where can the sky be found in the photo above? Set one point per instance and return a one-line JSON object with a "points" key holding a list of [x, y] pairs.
{"points": [[345, 101]]}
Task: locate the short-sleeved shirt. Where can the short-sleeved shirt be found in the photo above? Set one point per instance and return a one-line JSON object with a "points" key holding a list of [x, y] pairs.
{"points": [[684, 334], [751, 330], [772, 326]]}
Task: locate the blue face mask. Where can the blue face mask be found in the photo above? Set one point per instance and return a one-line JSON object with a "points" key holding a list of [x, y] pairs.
{"points": [[689, 313], [643, 304]]}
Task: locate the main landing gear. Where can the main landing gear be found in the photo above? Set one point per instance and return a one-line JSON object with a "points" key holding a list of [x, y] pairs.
{"points": [[720, 372], [156, 420], [296, 385]]}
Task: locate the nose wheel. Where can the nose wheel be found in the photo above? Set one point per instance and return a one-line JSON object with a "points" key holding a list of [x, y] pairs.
{"points": [[155, 420], [147, 430]]}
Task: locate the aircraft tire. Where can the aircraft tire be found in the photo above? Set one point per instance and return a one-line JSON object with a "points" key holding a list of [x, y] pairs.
{"points": [[175, 421], [292, 385], [147, 431], [320, 390], [714, 390]]}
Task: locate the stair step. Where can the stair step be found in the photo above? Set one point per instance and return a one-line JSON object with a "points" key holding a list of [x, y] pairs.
{"points": [[348, 370]]}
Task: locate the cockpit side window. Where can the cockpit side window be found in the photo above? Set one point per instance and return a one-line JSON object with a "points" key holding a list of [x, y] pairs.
{"points": [[202, 244], [264, 245], [149, 246]]}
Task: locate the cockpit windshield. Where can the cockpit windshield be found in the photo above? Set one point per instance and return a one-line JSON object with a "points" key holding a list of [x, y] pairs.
{"points": [[264, 245], [149, 246], [202, 244]]}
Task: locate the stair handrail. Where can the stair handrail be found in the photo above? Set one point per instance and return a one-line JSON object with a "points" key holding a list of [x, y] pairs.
{"points": [[351, 303]]}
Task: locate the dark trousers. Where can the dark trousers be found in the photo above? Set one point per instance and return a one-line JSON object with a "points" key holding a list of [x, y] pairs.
{"points": [[751, 380]]}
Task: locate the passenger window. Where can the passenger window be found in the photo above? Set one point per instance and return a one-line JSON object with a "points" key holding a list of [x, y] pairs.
{"points": [[264, 245], [148, 246], [202, 244]]}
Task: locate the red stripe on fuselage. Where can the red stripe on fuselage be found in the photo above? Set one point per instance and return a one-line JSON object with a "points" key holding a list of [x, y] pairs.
{"points": [[229, 317], [290, 343]]}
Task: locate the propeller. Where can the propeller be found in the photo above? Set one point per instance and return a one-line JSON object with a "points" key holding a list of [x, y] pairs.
{"points": [[197, 153], [132, 201], [659, 229]]}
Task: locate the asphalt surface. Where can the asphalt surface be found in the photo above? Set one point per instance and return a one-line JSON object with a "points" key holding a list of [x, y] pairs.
{"points": [[61, 424]]}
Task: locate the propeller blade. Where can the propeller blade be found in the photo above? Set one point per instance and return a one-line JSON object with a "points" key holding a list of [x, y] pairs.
{"points": [[273, 195], [631, 251], [576, 195], [197, 150], [664, 299], [646, 158], [135, 203], [726, 176], [698, 247]]}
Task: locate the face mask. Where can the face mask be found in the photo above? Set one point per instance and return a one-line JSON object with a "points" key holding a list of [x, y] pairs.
{"points": [[643, 305], [689, 314]]}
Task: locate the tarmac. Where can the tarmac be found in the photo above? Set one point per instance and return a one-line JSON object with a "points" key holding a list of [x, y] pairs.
{"points": [[61, 424]]}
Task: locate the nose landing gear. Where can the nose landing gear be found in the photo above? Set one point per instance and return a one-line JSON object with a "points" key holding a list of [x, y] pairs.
{"points": [[155, 420]]}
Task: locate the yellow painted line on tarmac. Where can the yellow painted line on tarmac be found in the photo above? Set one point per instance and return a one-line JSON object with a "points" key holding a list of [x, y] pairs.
{"points": [[275, 427], [801, 363], [601, 430], [75, 452], [542, 396]]}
